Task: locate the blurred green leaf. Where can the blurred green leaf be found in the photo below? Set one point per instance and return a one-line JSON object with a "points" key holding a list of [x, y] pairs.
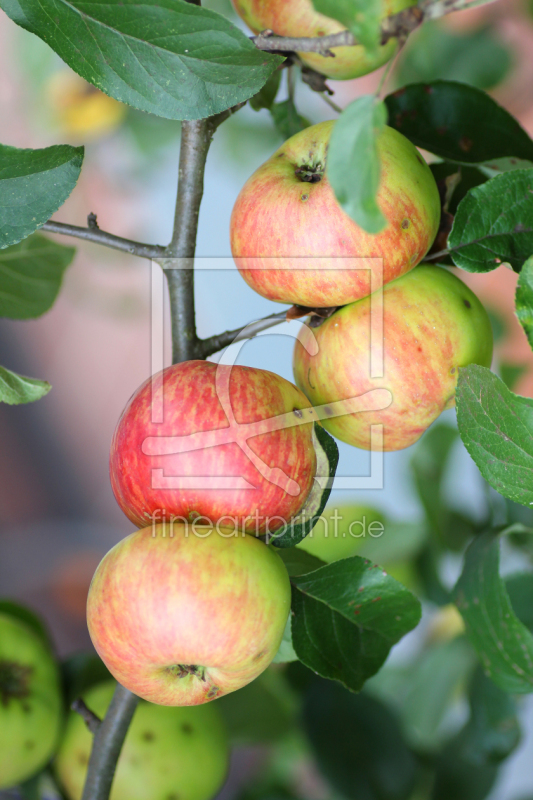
{"points": [[16, 389], [520, 590], [496, 428], [469, 177], [80, 672], [457, 122], [429, 464], [286, 118], [503, 643], [361, 17], [358, 744], [524, 299], [493, 731], [33, 185], [353, 165], [435, 52], [28, 617], [267, 94], [169, 57], [31, 273], [299, 562], [261, 712], [286, 652], [493, 224], [458, 778], [512, 373]]}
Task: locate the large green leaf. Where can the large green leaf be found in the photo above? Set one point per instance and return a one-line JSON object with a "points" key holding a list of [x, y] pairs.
{"points": [[494, 224], [493, 731], [496, 427], [503, 643], [169, 57], [287, 119], [16, 389], [524, 299], [353, 165], [361, 17], [457, 122], [33, 185], [345, 618], [31, 273], [358, 744], [458, 777]]}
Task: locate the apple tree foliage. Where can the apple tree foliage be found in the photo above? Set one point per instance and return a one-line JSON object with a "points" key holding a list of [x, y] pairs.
{"points": [[180, 61]]}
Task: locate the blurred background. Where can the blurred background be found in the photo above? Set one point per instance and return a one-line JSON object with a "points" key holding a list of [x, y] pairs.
{"points": [[58, 516]]}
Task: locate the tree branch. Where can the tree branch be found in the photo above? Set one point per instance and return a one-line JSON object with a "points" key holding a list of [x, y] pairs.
{"points": [[215, 343], [91, 719], [94, 234], [107, 744]]}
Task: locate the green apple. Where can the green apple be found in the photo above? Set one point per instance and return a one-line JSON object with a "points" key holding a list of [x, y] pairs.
{"points": [[182, 614], [341, 531], [432, 325], [31, 707], [299, 18], [168, 753]]}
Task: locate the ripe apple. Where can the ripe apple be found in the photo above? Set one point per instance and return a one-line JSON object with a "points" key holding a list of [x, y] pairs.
{"points": [[168, 753], [230, 447], [299, 18], [181, 615], [433, 324], [287, 214], [31, 707]]}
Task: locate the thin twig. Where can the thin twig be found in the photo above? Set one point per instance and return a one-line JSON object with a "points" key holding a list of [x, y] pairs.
{"points": [[98, 236], [91, 719], [438, 254], [330, 102], [107, 744], [215, 343]]}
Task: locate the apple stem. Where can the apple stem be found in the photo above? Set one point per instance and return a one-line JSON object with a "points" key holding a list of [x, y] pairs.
{"points": [[107, 744]]}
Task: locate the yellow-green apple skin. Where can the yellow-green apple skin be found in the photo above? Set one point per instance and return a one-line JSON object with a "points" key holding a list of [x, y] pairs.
{"points": [[178, 753], [31, 708], [215, 420], [341, 534], [433, 325], [299, 18], [281, 224], [182, 615]]}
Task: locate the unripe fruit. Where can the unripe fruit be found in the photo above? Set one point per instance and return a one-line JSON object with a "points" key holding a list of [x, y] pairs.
{"points": [[168, 753], [299, 18], [281, 223], [182, 615], [433, 324], [31, 707], [214, 448]]}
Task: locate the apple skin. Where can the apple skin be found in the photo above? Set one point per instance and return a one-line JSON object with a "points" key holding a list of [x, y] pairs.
{"points": [[299, 18], [279, 223], [168, 752], [181, 618], [323, 543], [433, 324], [32, 717], [191, 404]]}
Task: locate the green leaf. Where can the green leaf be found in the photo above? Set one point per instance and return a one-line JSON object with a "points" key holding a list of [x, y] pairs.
{"points": [[503, 643], [345, 618], [524, 299], [30, 276], [327, 457], [494, 224], [512, 373], [353, 166], [80, 672], [493, 731], [287, 120], [358, 744], [457, 777], [520, 591], [169, 57], [16, 389], [457, 122], [429, 464], [361, 17], [496, 427], [267, 94], [261, 712], [286, 653], [437, 52], [299, 562], [33, 185], [464, 178]]}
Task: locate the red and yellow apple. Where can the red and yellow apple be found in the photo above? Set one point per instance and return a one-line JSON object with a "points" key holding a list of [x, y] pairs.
{"points": [[228, 444], [181, 614], [286, 217], [299, 18], [432, 324], [168, 752]]}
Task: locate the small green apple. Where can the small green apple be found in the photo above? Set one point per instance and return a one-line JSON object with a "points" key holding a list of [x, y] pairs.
{"points": [[341, 531], [31, 707], [168, 753]]}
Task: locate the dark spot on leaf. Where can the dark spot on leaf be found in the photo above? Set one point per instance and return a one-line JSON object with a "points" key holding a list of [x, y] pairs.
{"points": [[519, 228], [443, 130], [465, 144], [467, 303], [375, 599], [428, 89]]}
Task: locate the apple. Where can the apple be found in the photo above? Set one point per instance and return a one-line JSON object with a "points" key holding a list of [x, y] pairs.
{"points": [[342, 530], [299, 18], [168, 753], [181, 614], [433, 324], [233, 446], [286, 215], [31, 707]]}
